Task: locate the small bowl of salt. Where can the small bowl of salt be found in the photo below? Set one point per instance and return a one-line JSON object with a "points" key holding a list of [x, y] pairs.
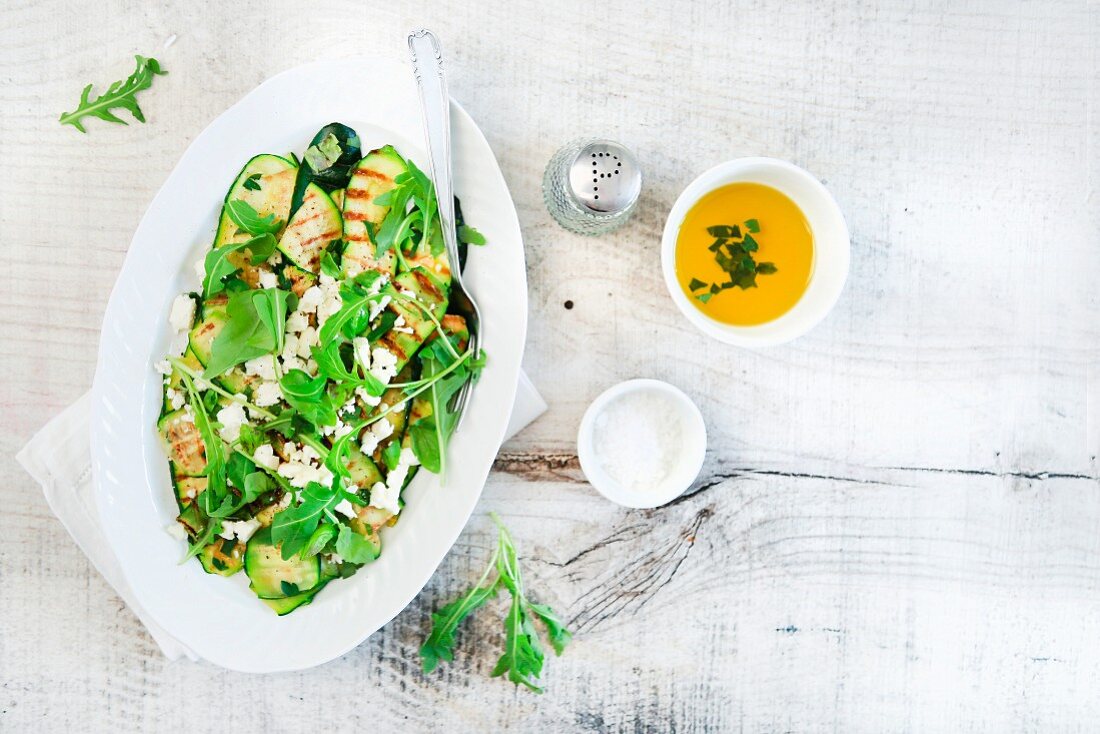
{"points": [[642, 443]]}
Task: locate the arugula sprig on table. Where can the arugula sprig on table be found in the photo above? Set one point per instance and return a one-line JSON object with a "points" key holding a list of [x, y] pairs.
{"points": [[733, 250], [120, 95], [523, 656]]}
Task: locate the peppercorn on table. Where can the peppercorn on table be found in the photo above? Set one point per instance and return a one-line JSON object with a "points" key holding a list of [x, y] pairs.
{"points": [[896, 524]]}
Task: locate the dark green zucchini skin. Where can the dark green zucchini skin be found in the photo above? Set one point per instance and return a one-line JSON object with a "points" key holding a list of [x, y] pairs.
{"points": [[462, 246], [335, 176]]}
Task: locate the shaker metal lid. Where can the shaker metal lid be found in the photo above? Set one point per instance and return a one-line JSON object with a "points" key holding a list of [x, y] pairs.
{"points": [[605, 177]]}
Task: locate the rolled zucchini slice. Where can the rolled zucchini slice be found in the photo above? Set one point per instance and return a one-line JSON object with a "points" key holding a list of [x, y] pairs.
{"points": [[275, 578], [316, 223]]}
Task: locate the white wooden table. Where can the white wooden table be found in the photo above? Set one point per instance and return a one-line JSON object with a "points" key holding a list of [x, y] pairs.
{"points": [[897, 525]]}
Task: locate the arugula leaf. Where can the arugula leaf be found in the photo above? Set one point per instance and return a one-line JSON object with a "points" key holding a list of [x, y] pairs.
{"points": [[247, 334], [294, 526], [354, 548], [252, 183], [251, 438], [441, 641], [470, 236], [214, 449], [121, 94], [523, 656], [331, 365], [271, 306], [218, 267], [391, 454], [249, 220], [307, 396], [385, 323], [320, 538], [429, 435], [329, 265], [213, 527], [424, 440], [555, 628], [283, 424], [237, 468], [354, 312], [252, 486]]}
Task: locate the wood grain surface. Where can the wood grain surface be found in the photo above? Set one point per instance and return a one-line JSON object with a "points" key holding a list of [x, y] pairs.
{"points": [[896, 528]]}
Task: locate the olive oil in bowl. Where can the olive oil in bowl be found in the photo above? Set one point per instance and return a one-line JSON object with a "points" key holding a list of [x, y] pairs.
{"points": [[744, 254]]}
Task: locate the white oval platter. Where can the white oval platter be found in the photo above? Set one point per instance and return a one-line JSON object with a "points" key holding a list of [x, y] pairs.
{"points": [[218, 618]]}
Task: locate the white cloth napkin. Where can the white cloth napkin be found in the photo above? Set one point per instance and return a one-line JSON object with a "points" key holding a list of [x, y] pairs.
{"points": [[59, 458]]}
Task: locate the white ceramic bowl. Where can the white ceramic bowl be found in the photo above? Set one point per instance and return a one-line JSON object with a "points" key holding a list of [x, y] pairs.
{"points": [[831, 249], [694, 432]]}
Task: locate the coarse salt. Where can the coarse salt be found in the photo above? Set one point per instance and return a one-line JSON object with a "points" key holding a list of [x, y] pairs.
{"points": [[638, 438]]}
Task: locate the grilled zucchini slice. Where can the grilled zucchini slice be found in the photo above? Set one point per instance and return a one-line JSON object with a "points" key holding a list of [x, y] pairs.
{"points": [[364, 472], [430, 293], [183, 443], [222, 557], [371, 177], [270, 574], [288, 604], [316, 223], [266, 183]]}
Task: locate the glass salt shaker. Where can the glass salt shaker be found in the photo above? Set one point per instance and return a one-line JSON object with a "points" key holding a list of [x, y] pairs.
{"points": [[591, 186]]}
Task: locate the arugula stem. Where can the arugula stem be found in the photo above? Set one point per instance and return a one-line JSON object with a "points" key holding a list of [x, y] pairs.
{"points": [[339, 445], [235, 397], [428, 312], [279, 478]]}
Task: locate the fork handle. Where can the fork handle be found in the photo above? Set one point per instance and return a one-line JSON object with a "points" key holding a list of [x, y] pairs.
{"points": [[427, 60]]}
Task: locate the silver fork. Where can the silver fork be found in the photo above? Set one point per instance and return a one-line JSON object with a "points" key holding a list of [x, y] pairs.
{"points": [[427, 60]]}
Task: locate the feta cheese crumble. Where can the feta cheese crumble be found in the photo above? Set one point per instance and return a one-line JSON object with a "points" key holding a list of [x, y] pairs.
{"points": [[183, 312], [385, 498], [263, 367], [265, 456], [345, 508], [383, 364], [268, 280], [231, 417], [176, 530], [241, 529], [267, 394], [374, 435]]}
